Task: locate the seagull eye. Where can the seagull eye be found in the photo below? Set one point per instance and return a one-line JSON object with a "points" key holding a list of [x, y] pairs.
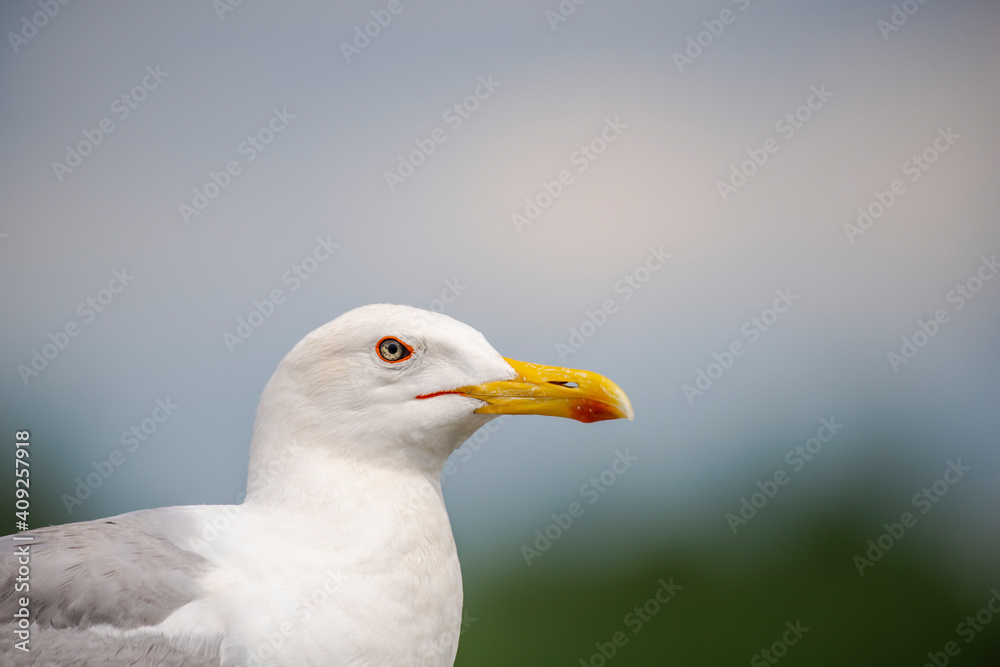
{"points": [[393, 350]]}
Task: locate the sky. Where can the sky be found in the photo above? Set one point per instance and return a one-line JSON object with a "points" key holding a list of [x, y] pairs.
{"points": [[756, 217]]}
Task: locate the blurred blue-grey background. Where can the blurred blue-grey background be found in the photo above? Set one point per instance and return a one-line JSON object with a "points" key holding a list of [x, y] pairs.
{"points": [[739, 137]]}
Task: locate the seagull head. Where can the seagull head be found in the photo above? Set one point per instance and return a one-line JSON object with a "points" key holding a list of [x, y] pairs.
{"points": [[401, 386]]}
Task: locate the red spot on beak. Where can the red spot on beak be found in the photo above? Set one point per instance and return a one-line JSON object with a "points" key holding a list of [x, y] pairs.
{"points": [[588, 411]]}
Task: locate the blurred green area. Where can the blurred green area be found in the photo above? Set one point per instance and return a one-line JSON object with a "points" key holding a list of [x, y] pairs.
{"points": [[737, 595]]}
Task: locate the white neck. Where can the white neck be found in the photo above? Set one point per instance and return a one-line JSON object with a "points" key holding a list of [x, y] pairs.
{"points": [[339, 514]]}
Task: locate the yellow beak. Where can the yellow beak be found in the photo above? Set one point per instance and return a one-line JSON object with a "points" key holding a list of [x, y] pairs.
{"points": [[550, 390]]}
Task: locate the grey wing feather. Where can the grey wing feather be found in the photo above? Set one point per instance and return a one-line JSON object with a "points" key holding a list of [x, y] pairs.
{"points": [[124, 572], [72, 647]]}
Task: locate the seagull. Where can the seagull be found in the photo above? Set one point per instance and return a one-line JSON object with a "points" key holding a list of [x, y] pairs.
{"points": [[342, 552]]}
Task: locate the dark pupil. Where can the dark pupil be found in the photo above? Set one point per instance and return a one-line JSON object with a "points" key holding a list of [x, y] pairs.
{"points": [[391, 349]]}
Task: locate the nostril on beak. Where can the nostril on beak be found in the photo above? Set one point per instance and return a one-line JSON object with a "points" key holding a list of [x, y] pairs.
{"points": [[568, 385]]}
